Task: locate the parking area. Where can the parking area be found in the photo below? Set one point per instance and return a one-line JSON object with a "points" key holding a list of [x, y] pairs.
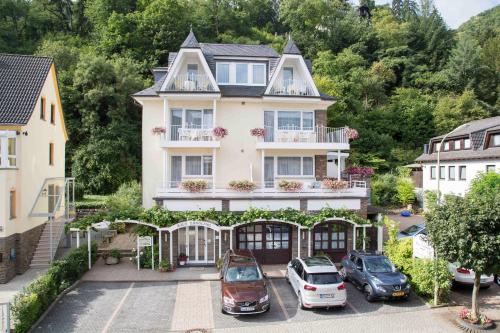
{"points": [[160, 307]]}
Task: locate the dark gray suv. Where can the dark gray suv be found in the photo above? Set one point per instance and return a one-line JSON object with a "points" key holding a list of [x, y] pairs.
{"points": [[375, 275]]}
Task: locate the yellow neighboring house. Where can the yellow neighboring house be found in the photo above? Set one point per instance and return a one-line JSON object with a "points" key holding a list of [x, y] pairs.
{"points": [[33, 189]]}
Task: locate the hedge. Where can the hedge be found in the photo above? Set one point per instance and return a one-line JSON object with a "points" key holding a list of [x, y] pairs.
{"points": [[34, 300]]}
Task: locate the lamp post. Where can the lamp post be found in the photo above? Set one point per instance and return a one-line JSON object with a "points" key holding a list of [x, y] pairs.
{"points": [[436, 286]]}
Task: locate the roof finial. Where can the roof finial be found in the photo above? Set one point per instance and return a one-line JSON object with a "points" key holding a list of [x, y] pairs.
{"points": [[289, 36], [190, 27]]}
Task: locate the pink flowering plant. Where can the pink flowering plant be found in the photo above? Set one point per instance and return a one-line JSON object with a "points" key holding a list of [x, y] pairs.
{"points": [[465, 315], [290, 185], [258, 132], [194, 185], [158, 130], [360, 170], [351, 133], [333, 184], [220, 132], [242, 185]]}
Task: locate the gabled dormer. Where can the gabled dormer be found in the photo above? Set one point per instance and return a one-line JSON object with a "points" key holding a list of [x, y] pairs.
{"points": [[291, 76], [189, 72]]}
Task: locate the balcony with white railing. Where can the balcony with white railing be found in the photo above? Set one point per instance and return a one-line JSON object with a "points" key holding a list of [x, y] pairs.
{"points": [[269, 189], [191, 83], [189, 136], [293, 87], [292, 137]]}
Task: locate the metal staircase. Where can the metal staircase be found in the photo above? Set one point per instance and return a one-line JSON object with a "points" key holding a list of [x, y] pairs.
{"points": [[55, 201]]}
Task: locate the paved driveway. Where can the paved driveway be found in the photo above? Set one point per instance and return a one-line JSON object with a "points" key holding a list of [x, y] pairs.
{"points": [[167, 306]]}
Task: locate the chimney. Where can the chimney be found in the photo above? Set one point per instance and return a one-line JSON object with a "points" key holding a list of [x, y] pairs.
{"points": [[426, 148]]}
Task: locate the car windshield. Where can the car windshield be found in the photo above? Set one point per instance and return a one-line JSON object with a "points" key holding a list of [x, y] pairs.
{"points": [[411, 230], [379, 265], [243, 274], [323, 278]]}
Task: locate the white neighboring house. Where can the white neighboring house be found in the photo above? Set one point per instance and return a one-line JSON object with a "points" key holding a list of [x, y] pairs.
{"points": [[466, 152], [33, 188], [241, 88]]}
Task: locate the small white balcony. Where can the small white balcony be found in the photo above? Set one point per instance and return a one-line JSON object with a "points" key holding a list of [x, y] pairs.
{"points": [[291, 87], [190, 136], [191, 83], [292, 137]]}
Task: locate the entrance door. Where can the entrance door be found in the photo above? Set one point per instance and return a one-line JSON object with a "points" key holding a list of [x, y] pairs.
{"points": [[331, 238], [269, 172], [271, 243], [198, 243]]}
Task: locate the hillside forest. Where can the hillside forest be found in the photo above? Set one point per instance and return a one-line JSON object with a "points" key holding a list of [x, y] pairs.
{"points": [[399, 73]]}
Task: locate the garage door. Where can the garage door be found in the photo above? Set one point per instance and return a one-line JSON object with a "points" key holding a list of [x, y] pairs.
{"points": [[271, 242]]}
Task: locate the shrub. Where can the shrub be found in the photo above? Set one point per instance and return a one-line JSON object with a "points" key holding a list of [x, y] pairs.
{"points": [[118, 226], [128, 195], [384, 190], [400, 253], [405, 191], [423, 273], [360, 170], [29, 304], [485, 183]]}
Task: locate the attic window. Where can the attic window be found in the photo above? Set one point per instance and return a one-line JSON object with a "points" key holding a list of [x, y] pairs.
{"points": [[495, 140], [467, 144]]}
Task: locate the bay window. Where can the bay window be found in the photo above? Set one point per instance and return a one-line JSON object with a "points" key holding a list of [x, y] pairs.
{"points": [[8, 149], [295, 166]]}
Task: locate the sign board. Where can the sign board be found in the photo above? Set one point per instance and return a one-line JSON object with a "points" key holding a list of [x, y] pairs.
{"points": [[193, 224], [421, 247], [144, 241]]}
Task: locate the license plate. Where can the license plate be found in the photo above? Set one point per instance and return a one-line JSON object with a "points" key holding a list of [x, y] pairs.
{"points": [[326, 296], [247, 308], [398, 293]]}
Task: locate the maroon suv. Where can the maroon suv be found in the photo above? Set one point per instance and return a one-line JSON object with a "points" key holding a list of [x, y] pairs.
{"points": [[243, 285]]}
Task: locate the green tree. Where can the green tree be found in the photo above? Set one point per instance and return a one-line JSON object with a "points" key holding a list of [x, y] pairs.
{"points": [[467, 231], [451, 111]]}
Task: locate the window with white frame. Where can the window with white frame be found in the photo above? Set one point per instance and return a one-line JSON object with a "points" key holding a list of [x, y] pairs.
{"points": [[192, 72], [447, 146], [457, 144], [296, 120], [198, 165], [442, 172], [295, 166], [198, 118], [495, 140], [8, 149], [433, 172], [466, 143], [241, 73]]}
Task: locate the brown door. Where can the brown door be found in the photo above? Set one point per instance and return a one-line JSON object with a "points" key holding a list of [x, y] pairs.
{"points": [[270, 242], [331, 238]]}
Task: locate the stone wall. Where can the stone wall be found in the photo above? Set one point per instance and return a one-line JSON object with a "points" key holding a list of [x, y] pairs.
{"points": [[320, 166], [320, 118], [24, 245]]}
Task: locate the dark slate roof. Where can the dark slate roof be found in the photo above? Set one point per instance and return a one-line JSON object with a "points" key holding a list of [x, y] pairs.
{"points": [[190, 41], [152, 91], [21, 81], [242, 91], [238, 50], [476, 130], [291, 48]]}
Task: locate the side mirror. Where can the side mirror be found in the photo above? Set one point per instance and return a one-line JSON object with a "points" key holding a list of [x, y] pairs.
{"points": [[265, 275], [359, 268]]}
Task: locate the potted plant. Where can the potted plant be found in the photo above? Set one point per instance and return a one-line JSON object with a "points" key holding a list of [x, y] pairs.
{"points": [[258, 132], [158, 130], [351, 133], [164, 266], [182, 258], [114, 257], [333, 184], [360, 170], [220, 132], [242, 185], [290, 185], [194, 185]]}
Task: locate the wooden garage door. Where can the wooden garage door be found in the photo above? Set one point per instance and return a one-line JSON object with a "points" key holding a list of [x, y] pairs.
{"points": [[331, 238], [271, 242]]}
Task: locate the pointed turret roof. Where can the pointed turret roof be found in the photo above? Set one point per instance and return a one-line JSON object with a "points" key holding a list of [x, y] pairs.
{"points": [[291, 48], [190, 41]]}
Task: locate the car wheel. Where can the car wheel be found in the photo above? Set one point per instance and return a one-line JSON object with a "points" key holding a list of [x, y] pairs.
{"points": [[223, 311], [368, 291], [301, 306]]}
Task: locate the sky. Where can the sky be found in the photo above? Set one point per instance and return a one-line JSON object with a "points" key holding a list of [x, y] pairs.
{"points": [[456, 12]]}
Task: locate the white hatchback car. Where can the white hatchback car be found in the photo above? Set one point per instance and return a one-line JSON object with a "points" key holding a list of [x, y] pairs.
{"points": [[316, 282], [466, 276]]}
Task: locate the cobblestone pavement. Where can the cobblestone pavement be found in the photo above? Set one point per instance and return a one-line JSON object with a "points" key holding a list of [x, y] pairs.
{"points": [[169, 306]]}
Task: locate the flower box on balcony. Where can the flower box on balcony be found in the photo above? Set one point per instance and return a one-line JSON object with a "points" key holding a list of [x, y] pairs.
{"points": [[290, 185], [360, 170], [258, 132], [333, 184], [194, 185], [242, 185], [220, 132], [351, 133], [158, 130]]}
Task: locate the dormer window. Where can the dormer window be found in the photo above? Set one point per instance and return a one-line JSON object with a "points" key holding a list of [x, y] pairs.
{"points": [[241, 73], [192, 71], [495, 140], [447, 146], [8, 154], [457, 144], [466, 143], [287, 76]]}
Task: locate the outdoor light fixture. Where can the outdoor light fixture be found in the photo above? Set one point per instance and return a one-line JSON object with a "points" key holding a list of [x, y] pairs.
{"points": [[25, 133], [44, 192]]}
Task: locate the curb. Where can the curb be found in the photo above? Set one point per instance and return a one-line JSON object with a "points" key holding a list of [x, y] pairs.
{"points": [[51, 306]]}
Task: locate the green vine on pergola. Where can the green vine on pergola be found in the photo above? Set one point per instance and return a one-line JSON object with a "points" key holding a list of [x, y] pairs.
{"points": [[165, 218]]}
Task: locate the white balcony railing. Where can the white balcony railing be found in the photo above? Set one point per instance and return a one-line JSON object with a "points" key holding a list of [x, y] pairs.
{"points": [[318, 134], [262, 189], [191, 82], [190, 133], [291, 87]]}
